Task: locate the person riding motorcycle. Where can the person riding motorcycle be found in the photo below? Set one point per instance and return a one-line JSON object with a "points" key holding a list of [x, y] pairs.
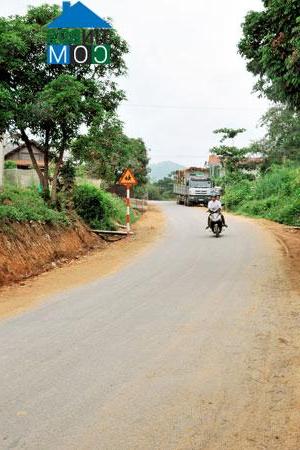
{"points": [[215, 205]]}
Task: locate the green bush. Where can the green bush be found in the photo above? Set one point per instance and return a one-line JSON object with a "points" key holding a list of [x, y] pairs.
{"points": [[26, 204], [98, 208], [9, 164], [274, 195], [236, 193], [153, 192]]}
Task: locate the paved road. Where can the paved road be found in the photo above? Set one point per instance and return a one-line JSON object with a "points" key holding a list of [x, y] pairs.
{"points": [[156, 356]]}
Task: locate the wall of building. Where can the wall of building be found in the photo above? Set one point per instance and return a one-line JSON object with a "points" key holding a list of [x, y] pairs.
{"points": [[21, 178]]}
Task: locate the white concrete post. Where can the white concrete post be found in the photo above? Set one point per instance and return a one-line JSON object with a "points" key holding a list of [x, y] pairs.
{"points": [[128, 209]]}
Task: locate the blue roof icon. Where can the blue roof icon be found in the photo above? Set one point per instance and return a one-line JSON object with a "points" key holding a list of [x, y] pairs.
{"points": [[78, 16]]}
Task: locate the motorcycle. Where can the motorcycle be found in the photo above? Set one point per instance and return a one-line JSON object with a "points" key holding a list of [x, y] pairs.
{"points": [[216, 223]]}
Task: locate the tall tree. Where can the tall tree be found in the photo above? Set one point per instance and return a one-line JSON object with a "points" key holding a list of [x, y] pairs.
{"points": [[271, 46], [106, 151], [27, 85], [282, 139], [230, 155]]}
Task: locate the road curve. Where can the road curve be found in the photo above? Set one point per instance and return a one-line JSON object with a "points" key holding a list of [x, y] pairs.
{"points": [[160, 355]]}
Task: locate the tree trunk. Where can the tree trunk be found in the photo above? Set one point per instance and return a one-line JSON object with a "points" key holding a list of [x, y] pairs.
{"points": [[46, 164], [32, 157], [55, 176]]}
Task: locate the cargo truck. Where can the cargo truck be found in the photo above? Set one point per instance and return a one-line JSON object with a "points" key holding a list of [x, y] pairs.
{"points": [[193, 186]]}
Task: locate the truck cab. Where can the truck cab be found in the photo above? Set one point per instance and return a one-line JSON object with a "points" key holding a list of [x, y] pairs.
{"points": [[193, 186], [199, 190]]}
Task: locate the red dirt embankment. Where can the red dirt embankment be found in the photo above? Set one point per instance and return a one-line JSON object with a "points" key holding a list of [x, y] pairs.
{"points": [[70, 272], [32, 248]]}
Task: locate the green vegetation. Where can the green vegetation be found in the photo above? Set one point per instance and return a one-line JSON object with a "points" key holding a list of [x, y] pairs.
{"points": [[230, 155], [99, 209], [10, 164], [270, 189], [271, 46], [105, 151], [273, 195], [23, 205], [52, 104], [161, 189], [282, 140], [67, 110]]}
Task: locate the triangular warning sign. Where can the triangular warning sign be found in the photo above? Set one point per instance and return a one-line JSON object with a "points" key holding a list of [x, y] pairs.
{"points": [[127, 178]]}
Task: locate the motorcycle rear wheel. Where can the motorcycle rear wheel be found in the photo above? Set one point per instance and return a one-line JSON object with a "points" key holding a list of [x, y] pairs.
{"points": [[217, 230]]}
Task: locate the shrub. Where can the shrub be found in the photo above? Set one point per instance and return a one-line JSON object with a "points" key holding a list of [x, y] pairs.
{"points": [[9, 164], [274, 195], [27, 204], [91, 204], [98, 208], [236, 193]]}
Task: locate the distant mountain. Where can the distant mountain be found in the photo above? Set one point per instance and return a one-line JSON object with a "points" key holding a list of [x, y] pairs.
{"points": [[163, 169]]}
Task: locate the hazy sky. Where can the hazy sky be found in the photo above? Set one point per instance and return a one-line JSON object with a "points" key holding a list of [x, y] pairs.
{"points": [[185, 77]]}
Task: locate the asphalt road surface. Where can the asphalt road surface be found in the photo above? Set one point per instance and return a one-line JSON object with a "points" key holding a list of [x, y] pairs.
{"points": [[161, 355]]}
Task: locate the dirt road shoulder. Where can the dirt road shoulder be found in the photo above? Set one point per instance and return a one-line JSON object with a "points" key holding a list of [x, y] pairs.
{"points": [[99, 263], [289, 240]]}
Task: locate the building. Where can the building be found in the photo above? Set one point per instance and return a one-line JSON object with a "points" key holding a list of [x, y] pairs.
{"points": [[249, 165], [20, 155], [215, 167]]}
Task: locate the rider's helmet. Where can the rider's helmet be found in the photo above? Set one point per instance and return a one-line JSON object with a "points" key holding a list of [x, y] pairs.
{"points": [[213, 194]]}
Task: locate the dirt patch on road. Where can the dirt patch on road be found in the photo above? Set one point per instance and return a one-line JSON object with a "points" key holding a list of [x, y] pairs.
{"points": [[286, 367], [289, 240], [85, 269], [274, 415]]}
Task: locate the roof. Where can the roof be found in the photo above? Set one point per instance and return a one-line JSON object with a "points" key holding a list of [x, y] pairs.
{"points": [[78, 16], [214, 160], [10, 149], [252, 161]]}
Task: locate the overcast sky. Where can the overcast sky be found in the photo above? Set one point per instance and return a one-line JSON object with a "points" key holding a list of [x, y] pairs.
{"points": [[185, 77]]}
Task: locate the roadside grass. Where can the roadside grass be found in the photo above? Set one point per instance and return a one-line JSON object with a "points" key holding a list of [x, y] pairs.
{"points": [[100, 209], [26, 204], [274, 195]]}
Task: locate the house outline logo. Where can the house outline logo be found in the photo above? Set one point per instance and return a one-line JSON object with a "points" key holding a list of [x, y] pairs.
{"points": [[78, 16], [74, 37]]}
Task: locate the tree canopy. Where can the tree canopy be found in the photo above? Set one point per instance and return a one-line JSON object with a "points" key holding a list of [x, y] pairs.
{"points": [[52, 102], [106, 150], [230, 155], [282, 139], [271, 46]]}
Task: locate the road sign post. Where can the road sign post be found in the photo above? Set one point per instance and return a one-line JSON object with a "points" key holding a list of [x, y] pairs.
{"points": [[128, 209], [128, 180]]}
